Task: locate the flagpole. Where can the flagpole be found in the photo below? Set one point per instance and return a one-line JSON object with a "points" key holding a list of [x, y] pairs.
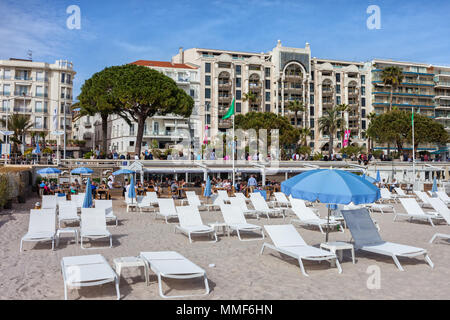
{"points": [[413, 151], [232, 147]]}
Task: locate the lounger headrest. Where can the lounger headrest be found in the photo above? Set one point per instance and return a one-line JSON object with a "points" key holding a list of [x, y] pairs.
{"points": [[362, 228]]}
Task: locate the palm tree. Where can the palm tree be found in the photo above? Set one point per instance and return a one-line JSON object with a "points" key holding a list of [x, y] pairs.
{"points": [[296, 106], [370, 117], [304, 133], [250, 97], [392, 77], [19, 125], [330, 122]]}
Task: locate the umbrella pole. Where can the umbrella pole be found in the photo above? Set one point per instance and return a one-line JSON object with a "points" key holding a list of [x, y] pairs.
{"points": [[328, 224]]}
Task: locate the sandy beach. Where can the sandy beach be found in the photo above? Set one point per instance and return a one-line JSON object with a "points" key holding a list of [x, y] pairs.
{"points": [[240, 272]]}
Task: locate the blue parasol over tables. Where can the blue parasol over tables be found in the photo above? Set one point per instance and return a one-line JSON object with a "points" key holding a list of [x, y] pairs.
{"points": [[369, 178], [122, 171], [49, 171], [434, 188], [378, 176], [82, 170], [132, 190], [207, 192]]}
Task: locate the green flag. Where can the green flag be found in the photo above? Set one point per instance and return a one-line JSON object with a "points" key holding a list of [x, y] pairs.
{"points": [[412, 117], [230, 111]]}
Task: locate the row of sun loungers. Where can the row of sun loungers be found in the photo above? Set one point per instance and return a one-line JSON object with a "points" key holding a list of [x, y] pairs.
{"points": [[95, 270]]}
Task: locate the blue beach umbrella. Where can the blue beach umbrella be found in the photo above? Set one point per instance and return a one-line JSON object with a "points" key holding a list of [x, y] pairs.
{"points": [[331, 187], [378, 179], [87, 202], [132, 190], [122, 171], [434, 188], [82, 170], [207, 192], [49, 171]]}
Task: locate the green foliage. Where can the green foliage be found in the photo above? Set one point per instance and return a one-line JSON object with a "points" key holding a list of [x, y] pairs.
{"points": [[392, 77], [305, 150], [88, 155], [330, 122], [317, 156], [4, 189], [267, 120], [352, 150], [19, 124], [296, 106], [47, 151], [377, 153], [395, 127]]}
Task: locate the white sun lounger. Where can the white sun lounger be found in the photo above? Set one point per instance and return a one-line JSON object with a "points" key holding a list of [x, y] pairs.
{"points": [[146, 203], [108, 207], [281, 200], [223, 194], [48, 210], [166, 209], [444, 211], [42, 227], [288, 241], [67, 212], [307, 217], [193, 199], [171, 264], [423, 197], [86, 271], [78, 199], [367, 238], [153, 196], [414, 211], [191, 223], [402, 194], [48, 202], [443, 196], [242, 196], [261, 206], [93, 225], [387, 196], [239, 202], [235, 220]]}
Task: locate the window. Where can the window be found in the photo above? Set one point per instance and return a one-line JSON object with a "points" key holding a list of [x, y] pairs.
{"points": [[267, 95], [338, 89], [267, 85], [363, 91], [69, 78], [207, 106], [39, 91], [45, 123], [311, 111], [38, 106], [192, 93], [131, 143], [7, 75], [338, 77], [363, 113], [207, 67], [267, 107], [61, 109], [207, 93], [207, 80], [338, 100], [311, 99], [363, 124], [238, 107], [311, 123], [38, 122], [5, 105], [363, 102], [311, 87], [238, 82], [267, 72], [39, 75], [312, 75], [132, 130], [63, 77], [6, 89], [363, 79], [238, 95], [238, 70], [208, 119]]}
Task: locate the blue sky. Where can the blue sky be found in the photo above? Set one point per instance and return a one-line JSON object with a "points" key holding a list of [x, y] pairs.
{"points": [[119, 32]]}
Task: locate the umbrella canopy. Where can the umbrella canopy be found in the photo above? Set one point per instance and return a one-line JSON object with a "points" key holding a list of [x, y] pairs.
{"points": [[132, 189], [378, 179], [49, 171], [37, 150], [434, 188], [369, 178], [207, 192], [122, 171], [81, 170], [331, 186], [87, 203]]}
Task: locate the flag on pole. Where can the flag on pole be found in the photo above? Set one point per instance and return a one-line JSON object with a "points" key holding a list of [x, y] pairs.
{"points": [[412, 117], [230, 110]]}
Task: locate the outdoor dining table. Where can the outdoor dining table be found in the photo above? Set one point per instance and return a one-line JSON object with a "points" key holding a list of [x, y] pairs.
{"points": [[101, 192]]}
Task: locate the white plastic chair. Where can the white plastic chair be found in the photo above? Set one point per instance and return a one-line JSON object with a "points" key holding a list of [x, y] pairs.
{"points": [[93, 225], [166, 209], [67, 213], [235, 220], [191, 223], [41, 227]]}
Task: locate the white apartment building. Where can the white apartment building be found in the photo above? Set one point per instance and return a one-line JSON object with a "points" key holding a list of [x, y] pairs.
{"points": [[40, 90], [166, 130]]}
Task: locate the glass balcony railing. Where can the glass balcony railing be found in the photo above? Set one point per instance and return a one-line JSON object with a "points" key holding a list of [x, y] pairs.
{"points": [[40, 95], [22, 109], [24, 78]]}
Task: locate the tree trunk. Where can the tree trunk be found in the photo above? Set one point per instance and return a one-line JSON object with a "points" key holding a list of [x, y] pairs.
{"points": [[392, 95], [399, 148], [296, 120], [330, 147], [140, 134], [104, 133]]}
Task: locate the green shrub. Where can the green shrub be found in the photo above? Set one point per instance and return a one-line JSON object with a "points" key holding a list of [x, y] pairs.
{"points": [[88, 155], [318, 156]]}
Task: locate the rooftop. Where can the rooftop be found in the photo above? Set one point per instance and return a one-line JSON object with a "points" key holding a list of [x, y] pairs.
{"points": [[162, 64]]}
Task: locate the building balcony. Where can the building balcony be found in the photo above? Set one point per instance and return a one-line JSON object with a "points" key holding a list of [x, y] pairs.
{"points": [[5, 93], [224, 98], [442, 84], [22, 110], [41, 95], [327, 92], [23, 78], [42, 79], [293, 76], [22, 95], [87, 124], [376, 103], [224, 85], [403, 94], [225, 123]]}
